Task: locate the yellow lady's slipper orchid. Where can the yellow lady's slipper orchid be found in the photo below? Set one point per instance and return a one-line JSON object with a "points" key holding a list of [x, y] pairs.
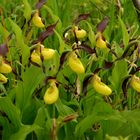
{"points": [[135, 83], [3, 79], [35, 58], [80, 33], [5, 68], [47, 53], [75, 64], [100, 43], [100, 87], [37, 20], [51, 94]]}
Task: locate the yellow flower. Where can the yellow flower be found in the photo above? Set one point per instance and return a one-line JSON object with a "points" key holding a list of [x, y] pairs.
{"points": [[75, 64], [37, 20], [51, 94], [80, 33], [47, 53], [135, 83], [35, 58], [5, 68], [100, 87], [3, 79], [100, 43]]}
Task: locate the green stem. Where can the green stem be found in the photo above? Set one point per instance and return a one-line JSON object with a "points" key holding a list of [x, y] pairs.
{"points": [[53, 114]]}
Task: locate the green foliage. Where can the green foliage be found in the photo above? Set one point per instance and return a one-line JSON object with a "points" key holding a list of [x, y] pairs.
{"points": [[23, 48], [27, 10], [119, 72], [124, 33]]}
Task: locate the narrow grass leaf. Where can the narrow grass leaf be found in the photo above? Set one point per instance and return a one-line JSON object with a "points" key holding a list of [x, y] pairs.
{"points": [[91, 35], [124, 33], [61, 42], [27, 10]]}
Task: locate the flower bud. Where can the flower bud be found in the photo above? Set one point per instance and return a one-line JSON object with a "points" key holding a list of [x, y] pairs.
{"points": [[100, 87], [75, 64], [51, 94], [3, 79], [135, 83], [5, 68]]}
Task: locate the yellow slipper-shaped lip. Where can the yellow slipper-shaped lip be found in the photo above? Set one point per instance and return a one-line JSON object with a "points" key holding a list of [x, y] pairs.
{"points": [[37, 20], [51, 94], [3, 79], [35, 58], [5, 68], [135, 83], [75, 64], [100, 87], [47, 53], [80, 33]]}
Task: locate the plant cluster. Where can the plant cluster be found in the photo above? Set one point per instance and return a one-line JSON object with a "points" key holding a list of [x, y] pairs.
{"points": [[78, 80]]}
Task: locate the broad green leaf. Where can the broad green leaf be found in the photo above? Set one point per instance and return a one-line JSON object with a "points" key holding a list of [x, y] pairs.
{"points": [[88, 103], [30, 111], [114, 126], [61, 42], [6, 126], [69, 135], [124, 33], [86, 123], [119, 72], [23, 132], [101, 111], [11, 111], [32, 77], [40, 120], [27, 10], [40, 117], [133, 119], [63, 109], [123, 123], [98, 134], [102, 108], [24, 49], [114, 138]]}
